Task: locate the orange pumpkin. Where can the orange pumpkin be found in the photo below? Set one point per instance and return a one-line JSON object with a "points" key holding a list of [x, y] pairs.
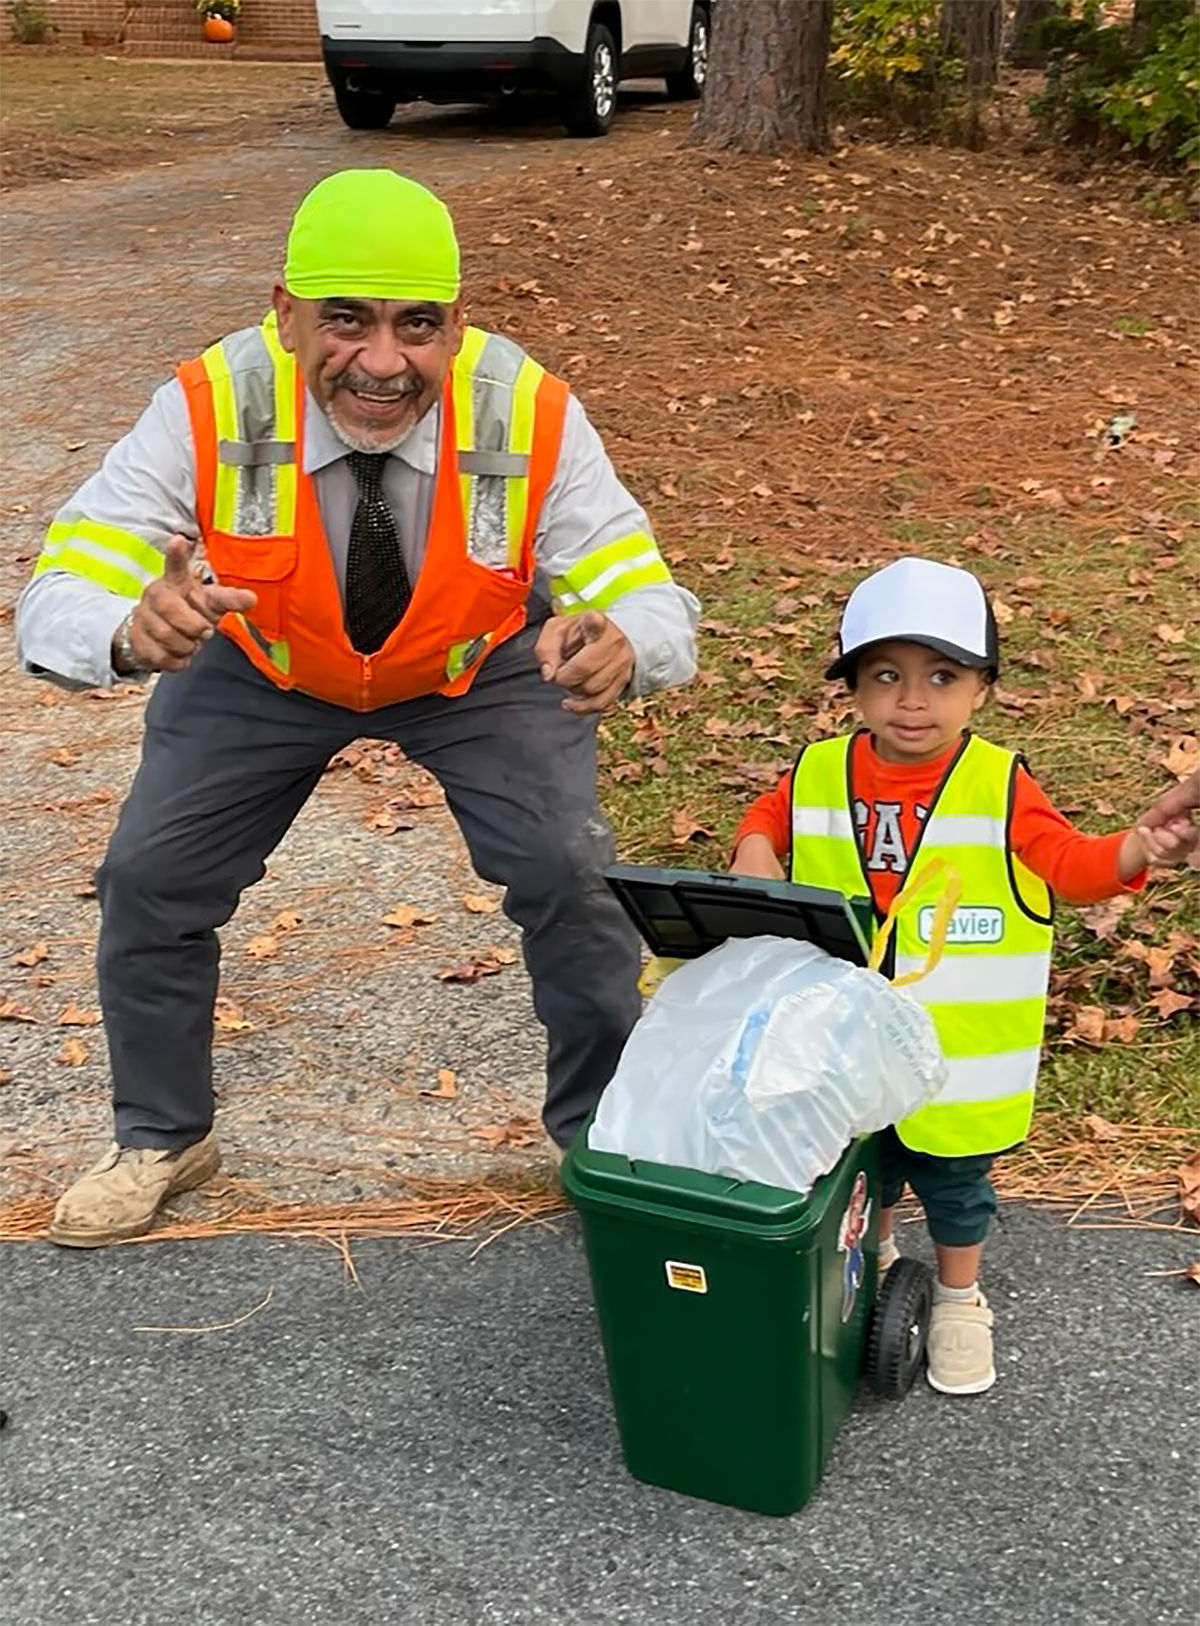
{"points": [[218, 29]]}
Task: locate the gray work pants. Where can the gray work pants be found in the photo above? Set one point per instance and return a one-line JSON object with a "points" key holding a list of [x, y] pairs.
{"points": [[228, 761]]}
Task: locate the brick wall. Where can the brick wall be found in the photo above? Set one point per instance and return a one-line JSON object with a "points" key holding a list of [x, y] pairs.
{"points": [[285, 29]]}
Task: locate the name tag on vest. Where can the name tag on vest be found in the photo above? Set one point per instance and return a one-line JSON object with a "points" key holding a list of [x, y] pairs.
{"points": [[969, 923]]}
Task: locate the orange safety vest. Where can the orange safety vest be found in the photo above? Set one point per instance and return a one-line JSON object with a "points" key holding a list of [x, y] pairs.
{"points": [[261, 525]]}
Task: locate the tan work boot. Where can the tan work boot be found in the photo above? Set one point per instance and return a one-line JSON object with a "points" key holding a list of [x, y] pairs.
{"points": [[960, 1348], [120, 1195]]}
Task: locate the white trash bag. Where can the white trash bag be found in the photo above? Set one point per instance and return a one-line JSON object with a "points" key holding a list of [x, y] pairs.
{"points": [[762, 1060]]}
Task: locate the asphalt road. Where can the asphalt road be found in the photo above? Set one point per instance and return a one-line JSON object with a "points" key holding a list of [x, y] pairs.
{"points": [[437, 1448]]}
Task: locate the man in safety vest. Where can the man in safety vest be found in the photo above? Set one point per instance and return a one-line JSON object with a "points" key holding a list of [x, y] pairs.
{"points": [[402, 527], [919, 650]]}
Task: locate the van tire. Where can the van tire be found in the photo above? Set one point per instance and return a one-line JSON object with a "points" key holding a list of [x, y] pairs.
{"points": [[588, 110], [688, 84], [364, 109]]}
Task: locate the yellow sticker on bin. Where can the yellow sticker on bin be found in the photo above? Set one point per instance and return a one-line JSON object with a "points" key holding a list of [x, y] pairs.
{"points": [[688, 1278]]}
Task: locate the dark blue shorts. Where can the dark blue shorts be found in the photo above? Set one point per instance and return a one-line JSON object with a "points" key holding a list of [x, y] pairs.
{"points": [[955, 1192]]}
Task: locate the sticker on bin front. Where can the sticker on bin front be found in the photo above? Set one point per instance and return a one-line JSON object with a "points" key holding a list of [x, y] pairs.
{"points": [[688, 1278]]}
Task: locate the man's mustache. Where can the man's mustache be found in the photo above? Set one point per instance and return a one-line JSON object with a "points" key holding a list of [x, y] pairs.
{"points": [[397, 388]]}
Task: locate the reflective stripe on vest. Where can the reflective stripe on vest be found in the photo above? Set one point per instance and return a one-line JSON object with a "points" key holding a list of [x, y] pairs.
{"points": [[501, 430], [608, 573], [987, 996], [253, 381], [119, 561]]}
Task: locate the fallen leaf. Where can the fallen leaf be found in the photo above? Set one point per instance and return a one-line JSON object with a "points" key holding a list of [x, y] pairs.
{"points": [[1088, 1025], [5, 1076], [475, 903], [64, 757], [433, 796], [1169, 634], [74, 1016], [469, 971], [1100, 1127], [504, 956], [1183, 757], [387, 822], [685, 828], [262, 948], [10, 1011], [33, 955], [1003, 612], [1102, 918], [287, 920], [1168, 1002], [516, 1132], [1188, 1175], [1122, 1029], [72, 1054], [228, 1017], [1192, 1273], [1160, 963], [447, 1086], [404, 915]]}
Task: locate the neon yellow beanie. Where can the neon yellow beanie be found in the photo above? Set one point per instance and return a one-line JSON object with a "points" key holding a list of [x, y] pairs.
{"points": [[372, 234]]}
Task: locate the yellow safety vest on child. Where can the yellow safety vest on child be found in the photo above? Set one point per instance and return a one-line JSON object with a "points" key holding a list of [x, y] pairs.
{"points": [[987, 992]]}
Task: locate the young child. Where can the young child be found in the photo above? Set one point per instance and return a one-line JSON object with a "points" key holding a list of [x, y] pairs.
{"points": [[919, 650]]}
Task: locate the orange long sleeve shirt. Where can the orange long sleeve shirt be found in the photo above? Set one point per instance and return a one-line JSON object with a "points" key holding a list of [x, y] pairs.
{"points": [[891, 802]]}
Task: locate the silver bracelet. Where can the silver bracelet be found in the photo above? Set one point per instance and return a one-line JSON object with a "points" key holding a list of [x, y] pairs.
{"points": [[125, 661]]}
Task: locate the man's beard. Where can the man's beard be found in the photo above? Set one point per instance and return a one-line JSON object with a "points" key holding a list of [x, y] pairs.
{"points": [[363, 443], [408, 391]]}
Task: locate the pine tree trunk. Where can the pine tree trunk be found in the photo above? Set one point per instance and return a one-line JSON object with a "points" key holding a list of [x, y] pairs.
{"points": [[765, 90], [974, 27], [1150, 16], [1024, 51]]}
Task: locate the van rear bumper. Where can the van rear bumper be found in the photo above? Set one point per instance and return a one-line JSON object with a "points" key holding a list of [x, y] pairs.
{"points": [[451, 72]]}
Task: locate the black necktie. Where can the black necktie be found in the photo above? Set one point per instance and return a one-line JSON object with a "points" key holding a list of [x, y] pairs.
{"points": [[377, 585]]}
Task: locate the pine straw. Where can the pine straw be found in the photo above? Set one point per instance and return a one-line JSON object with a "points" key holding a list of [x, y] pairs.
{"points": [[1110, 1175], [436, 1211], [1107, 1175]]}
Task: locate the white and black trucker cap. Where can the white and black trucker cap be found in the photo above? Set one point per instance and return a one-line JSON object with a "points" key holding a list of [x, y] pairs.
{"points": [[921, 602]]}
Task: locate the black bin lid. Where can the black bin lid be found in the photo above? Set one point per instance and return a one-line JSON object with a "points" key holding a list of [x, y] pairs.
{"points": [[683, 913]]}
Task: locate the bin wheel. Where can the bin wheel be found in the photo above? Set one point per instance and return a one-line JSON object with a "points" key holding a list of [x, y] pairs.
{"points": [[899, 1328]]}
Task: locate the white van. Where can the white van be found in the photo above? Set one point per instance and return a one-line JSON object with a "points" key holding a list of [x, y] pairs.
{"points": [[380, 52]]}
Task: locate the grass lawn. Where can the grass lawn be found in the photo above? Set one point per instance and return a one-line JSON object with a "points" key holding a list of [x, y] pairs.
{"points": [[681, 769], [70, 115]]}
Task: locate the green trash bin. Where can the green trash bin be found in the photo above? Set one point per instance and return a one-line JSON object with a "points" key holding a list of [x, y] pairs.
{"points": [[738, 1318], [733, 1316]]}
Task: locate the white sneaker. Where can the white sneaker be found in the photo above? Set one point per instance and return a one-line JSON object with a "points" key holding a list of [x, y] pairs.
{"points": [[960, 1348]]}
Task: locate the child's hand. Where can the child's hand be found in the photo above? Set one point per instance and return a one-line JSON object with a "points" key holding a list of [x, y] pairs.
{"points": [[1171, 842], [756, 856], [1171, 814]]}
